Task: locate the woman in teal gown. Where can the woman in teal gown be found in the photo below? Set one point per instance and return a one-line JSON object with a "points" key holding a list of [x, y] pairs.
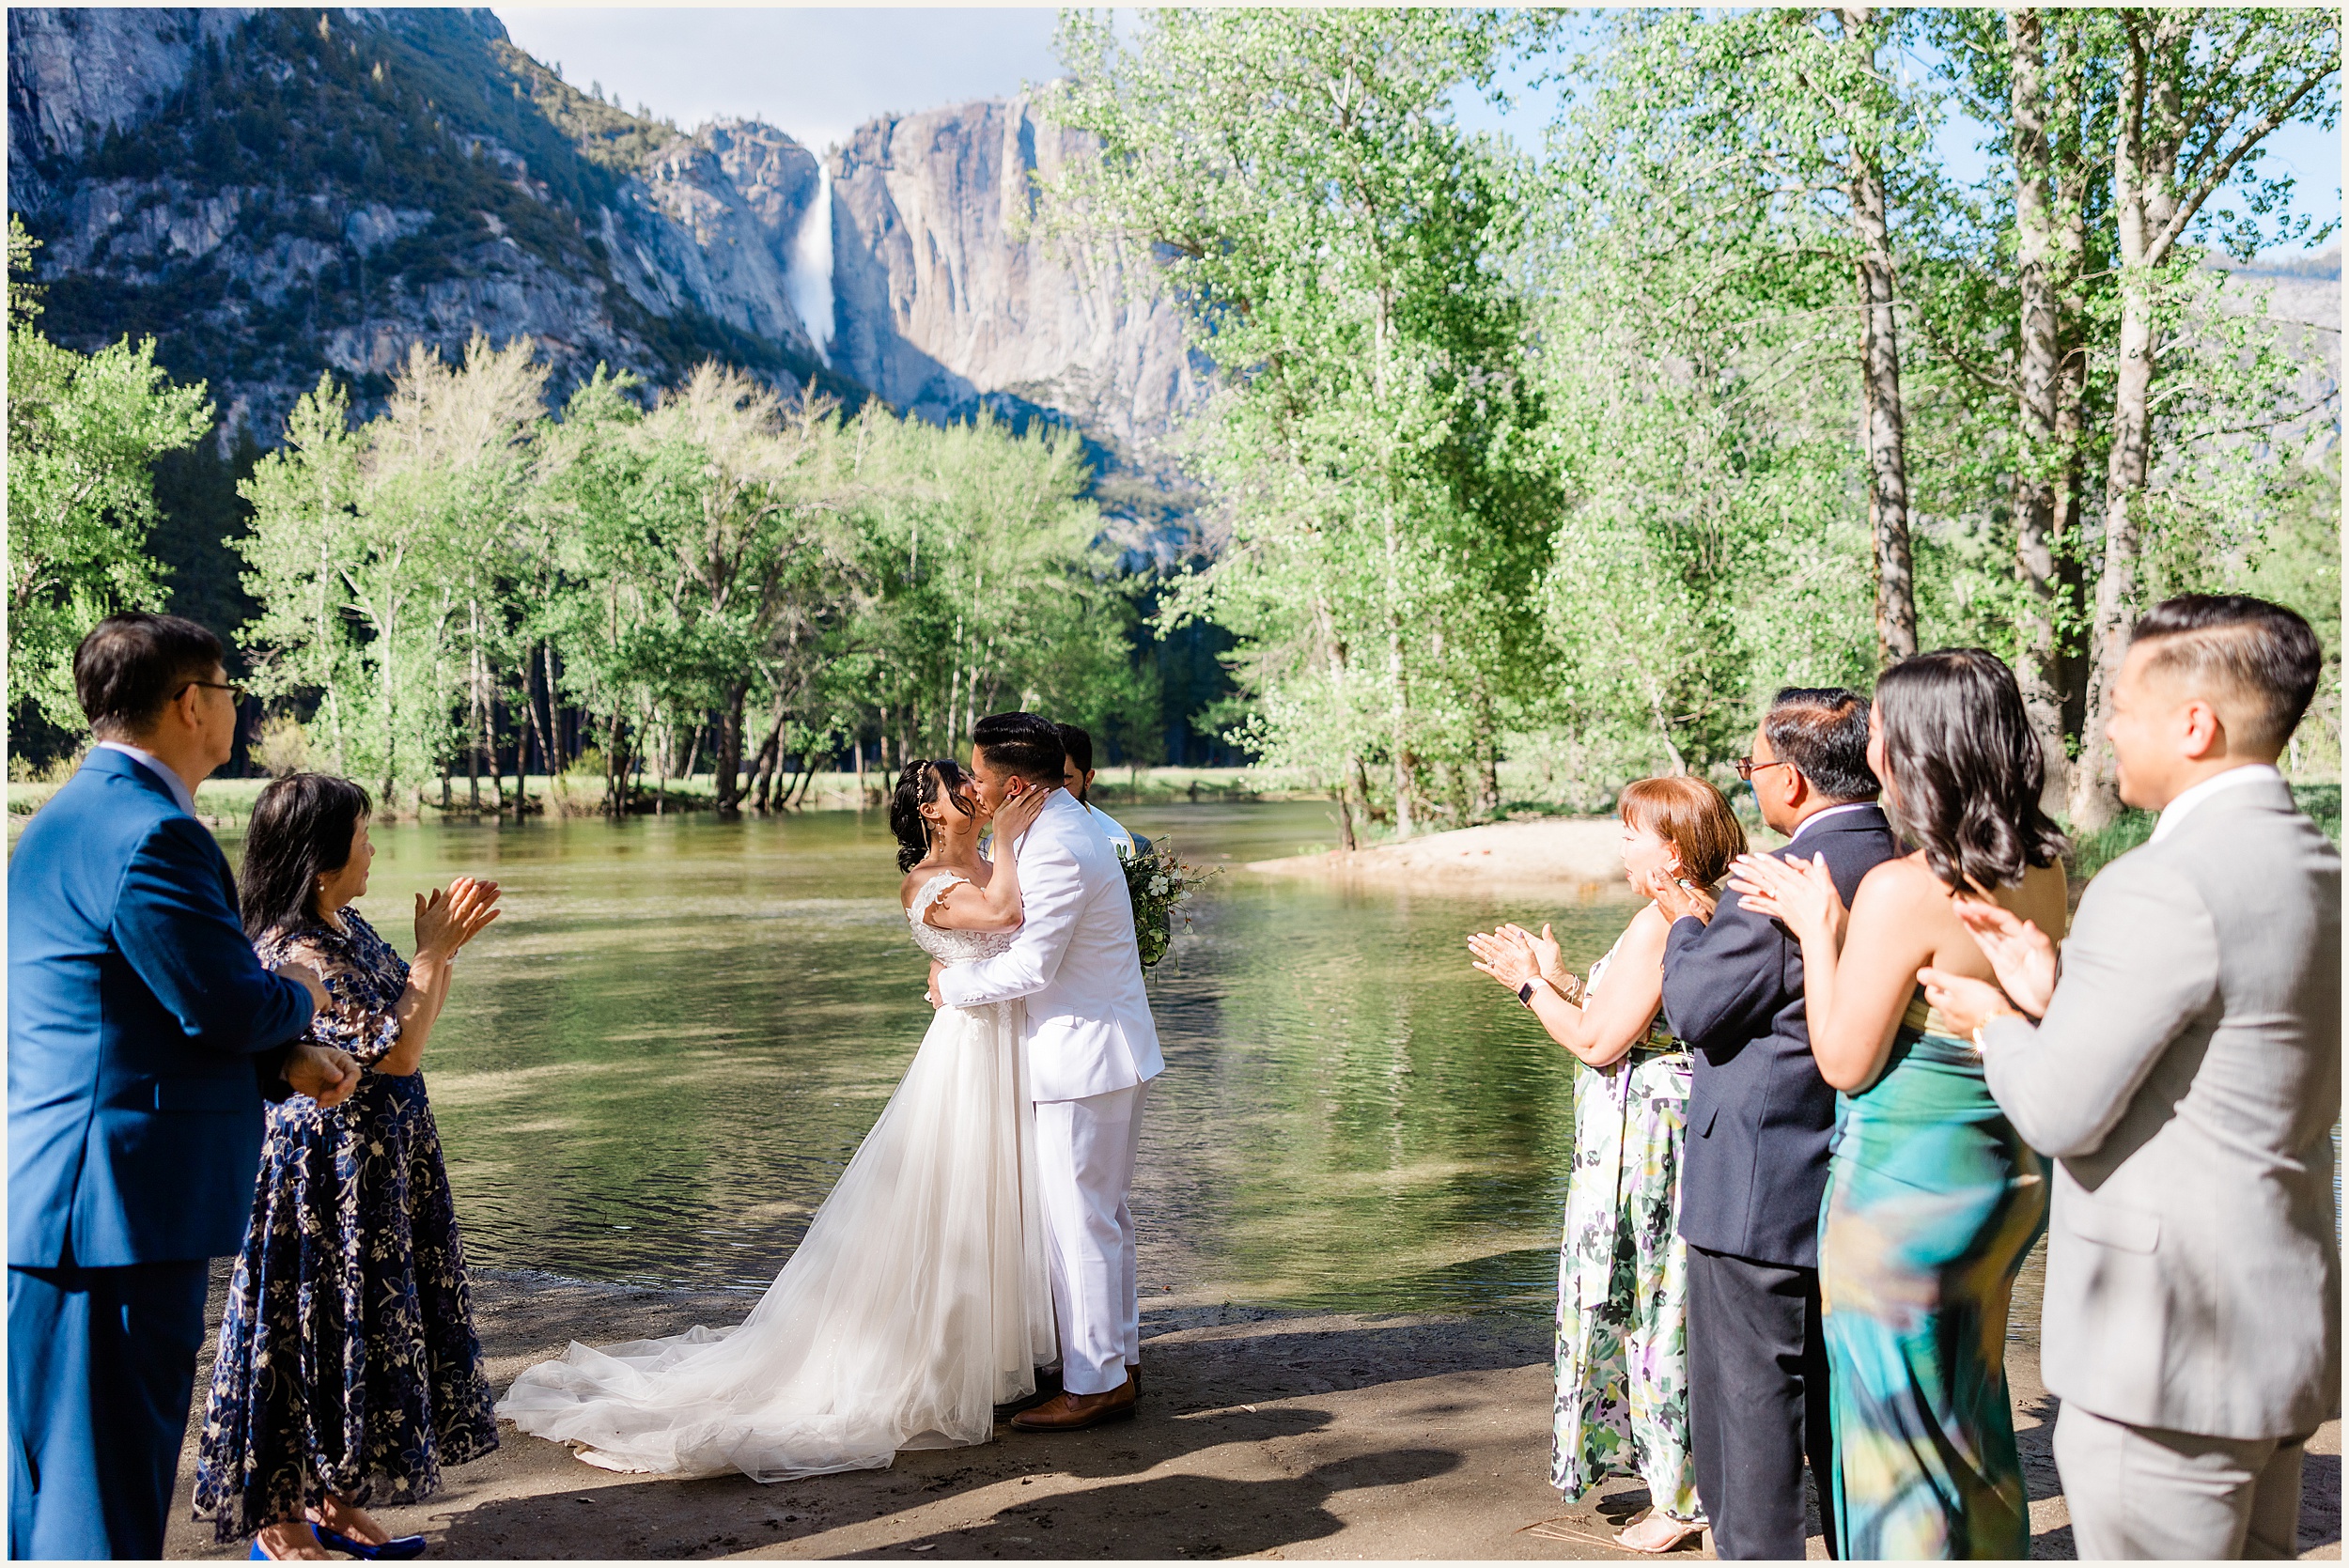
{"points": [[1932, 1201]]}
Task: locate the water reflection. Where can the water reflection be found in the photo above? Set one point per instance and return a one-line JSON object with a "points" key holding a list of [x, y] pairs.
{"points": [[659, 1060]]}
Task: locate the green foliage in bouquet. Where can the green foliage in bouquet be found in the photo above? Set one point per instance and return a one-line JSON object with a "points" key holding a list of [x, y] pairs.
{"points": [[1158, 885]]}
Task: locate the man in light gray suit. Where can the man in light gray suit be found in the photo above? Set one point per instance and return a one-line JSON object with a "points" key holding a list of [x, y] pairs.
{"points": [[2184, 1073]]}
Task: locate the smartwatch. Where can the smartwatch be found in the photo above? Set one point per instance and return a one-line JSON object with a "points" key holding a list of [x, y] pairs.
{"points": [[1525, 992]]}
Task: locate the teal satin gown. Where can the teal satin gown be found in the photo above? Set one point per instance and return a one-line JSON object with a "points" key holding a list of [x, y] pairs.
{"points": [[1932, 1204]]}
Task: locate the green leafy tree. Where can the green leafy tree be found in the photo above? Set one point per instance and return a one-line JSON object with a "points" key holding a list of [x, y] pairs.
{"points": [[1334, 235], [84, 434]]}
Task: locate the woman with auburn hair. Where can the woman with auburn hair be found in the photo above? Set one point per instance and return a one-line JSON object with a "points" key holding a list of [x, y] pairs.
{"points": [[1932, 1198], [1623, 1271]]}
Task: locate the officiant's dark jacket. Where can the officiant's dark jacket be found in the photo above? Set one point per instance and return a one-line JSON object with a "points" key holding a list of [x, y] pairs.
{"points": [[1760, 1116]]}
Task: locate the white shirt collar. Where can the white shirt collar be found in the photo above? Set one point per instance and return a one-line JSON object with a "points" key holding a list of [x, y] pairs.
{"points": [[153, 764], [1110, 826], [1804, 826], [2233, 778]]}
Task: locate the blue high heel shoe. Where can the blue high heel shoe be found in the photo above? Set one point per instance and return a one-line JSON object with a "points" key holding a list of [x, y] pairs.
{"points": [[399, 1548]]}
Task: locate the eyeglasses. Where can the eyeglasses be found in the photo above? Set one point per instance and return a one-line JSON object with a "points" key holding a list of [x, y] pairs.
{"points": [[236, 692], [1746, 767]]}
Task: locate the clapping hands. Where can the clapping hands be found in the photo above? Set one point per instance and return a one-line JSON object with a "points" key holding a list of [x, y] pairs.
{"points": [[1513, 955], [1508, 955], [447, 920], [2020, 954]]}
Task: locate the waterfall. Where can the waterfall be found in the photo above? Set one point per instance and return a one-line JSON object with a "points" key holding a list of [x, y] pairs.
{"points": [[807, 277]]}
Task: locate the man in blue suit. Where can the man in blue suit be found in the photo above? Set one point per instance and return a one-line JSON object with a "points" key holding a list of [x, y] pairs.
{"points": [[1760, 1119], [143, 1036]]}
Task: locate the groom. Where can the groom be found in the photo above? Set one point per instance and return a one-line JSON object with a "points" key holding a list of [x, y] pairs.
{"points": [[1092, 1050]]}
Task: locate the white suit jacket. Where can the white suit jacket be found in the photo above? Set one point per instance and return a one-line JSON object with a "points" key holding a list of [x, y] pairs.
{"points": [[2185, 1079], [1074, 961]]}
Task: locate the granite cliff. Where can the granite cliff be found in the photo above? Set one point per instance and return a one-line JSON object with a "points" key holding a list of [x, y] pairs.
{"points": [[946, 293], [273, 194]]}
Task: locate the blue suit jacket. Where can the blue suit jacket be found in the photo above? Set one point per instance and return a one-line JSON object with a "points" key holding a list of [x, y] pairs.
{"points": [[1760, 1116], [142, 1030]]}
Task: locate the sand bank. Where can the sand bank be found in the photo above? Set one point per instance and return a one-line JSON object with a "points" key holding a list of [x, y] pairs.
{"points": [[1578, 855]]}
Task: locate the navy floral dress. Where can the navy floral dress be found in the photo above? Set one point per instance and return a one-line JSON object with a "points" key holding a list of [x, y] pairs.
{"points": [[348, 1360]]}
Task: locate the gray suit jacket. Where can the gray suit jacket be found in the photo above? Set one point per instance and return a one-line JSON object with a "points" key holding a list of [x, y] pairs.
{"points": [[2187, 1078]]}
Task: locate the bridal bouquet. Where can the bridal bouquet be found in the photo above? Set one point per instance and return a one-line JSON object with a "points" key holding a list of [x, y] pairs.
{"points": [[1158, 885]]}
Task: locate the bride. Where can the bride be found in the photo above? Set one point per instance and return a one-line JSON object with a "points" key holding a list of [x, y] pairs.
{"points": [[918, 1300]]}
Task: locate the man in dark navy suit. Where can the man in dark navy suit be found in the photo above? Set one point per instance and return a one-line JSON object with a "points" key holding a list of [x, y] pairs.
{"points": [[1760, 1118], [143, 1035]]}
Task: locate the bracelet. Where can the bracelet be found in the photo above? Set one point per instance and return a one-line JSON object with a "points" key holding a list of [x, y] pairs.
{"points": [[1570, 987]]}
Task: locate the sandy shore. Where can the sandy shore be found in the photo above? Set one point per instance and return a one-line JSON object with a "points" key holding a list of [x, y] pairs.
{"points": [[1576, 856], [1262, 1434]]}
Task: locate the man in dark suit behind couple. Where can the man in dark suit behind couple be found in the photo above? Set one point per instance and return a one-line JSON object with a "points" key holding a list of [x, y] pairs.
{"points": [[143, 1036], [1760, 1120]]}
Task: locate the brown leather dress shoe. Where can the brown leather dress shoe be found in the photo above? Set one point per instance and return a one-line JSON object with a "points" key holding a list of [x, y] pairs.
{"points": [[1067, 1412]]}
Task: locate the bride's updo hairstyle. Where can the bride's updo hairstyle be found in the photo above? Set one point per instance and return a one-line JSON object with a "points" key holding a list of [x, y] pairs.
{"points": [[1692, 817], [1962, 769], [917, 786]]}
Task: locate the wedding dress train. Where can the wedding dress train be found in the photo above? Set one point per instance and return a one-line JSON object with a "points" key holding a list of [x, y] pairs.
{"points": [[916, 1303]]}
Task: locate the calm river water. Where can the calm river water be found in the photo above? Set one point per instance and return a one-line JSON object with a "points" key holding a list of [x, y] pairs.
{"points": [[658, 1060]]}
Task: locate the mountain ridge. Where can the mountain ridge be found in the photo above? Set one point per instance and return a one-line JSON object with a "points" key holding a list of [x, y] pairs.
{"points": [[274, 193]]}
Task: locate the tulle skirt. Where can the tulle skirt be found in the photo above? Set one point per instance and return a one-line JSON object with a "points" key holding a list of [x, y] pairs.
{"points": [[916, 1303]]}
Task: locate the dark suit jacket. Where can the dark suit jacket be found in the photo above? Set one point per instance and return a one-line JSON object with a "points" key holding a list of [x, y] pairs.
{"points": [[141, 1031], [1760, 1115]]}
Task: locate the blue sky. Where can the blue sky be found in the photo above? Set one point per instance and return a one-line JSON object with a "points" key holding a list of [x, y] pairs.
{"points": [[819, 72]]}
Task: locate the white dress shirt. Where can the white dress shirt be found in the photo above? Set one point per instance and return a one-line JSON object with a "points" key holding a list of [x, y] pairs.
{"points": [[1122, 840], [2233, 778]]}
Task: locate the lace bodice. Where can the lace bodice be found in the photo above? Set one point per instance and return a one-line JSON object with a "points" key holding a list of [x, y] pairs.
{"points": [[951, 947]]}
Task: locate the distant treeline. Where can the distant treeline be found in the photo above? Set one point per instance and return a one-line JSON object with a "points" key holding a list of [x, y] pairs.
{"points": [[468, 587]]}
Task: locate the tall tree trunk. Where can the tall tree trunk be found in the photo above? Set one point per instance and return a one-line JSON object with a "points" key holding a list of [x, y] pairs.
{"points": [[1399, 713], [2095, 792], [2141, 208], [1880, 370], [524, 734], [728, 763], [615, 770], [769, 757], [2038, 465], [550, 738], [1487, 765], [663, 749]]}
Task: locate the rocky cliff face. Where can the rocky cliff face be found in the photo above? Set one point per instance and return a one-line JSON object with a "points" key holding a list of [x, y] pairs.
{"points": [[274, 193], [944, 292]]}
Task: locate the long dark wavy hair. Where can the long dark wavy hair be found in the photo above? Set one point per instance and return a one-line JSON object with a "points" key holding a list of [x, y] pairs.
{"points": [[1964, 767], [917, 786], [302, 830]]}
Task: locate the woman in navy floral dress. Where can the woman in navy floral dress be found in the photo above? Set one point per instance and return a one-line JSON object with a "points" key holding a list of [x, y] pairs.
{"points": [[348, 1370]]}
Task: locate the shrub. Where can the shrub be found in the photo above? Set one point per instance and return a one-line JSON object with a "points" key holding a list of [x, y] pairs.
{"points": [[283, 747]]}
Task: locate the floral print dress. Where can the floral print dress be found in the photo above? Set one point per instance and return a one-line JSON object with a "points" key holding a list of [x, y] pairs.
{"points": [[348, 1360], [1622, 1281]]}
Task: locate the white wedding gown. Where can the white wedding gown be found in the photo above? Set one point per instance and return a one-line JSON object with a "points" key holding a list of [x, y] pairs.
{"points": [[916, 1303]]}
